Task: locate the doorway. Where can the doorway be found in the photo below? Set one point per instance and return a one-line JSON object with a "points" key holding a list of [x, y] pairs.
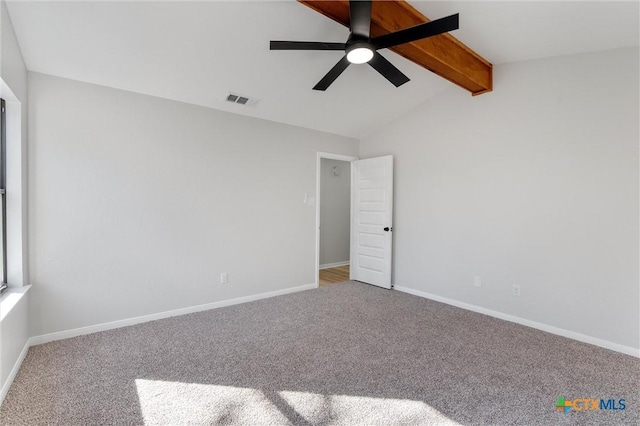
{"points": [[333, 218]]}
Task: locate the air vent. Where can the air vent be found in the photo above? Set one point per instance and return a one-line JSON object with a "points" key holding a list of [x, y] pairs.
{"points": [[242, 100]]}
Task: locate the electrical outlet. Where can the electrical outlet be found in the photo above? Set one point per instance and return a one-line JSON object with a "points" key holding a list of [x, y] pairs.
{"points": [[224, 278], [477, 281], [516, 290]]}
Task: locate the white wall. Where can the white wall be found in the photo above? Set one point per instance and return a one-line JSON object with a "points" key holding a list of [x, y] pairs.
{"points": [[14, 334], [534, 184], [335, 199], [138, 204], [13, 304]]}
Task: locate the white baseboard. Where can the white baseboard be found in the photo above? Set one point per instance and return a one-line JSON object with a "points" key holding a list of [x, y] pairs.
{"points": [[334, 265], [45, 338], [14, 372], [533, 324]]}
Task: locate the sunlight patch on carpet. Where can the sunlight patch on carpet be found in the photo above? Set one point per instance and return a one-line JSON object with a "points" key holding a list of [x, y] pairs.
{"points": [[175, 403], [349, 409]]}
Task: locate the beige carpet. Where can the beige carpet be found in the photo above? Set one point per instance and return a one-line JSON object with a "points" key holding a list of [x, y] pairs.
{"points": [[344, 354]]}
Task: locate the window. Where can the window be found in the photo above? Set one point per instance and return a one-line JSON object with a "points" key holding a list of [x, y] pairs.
{"points": [[3, 193]]}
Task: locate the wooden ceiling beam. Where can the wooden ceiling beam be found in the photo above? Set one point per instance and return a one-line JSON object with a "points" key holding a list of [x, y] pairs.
{"points": [[443, 54]]}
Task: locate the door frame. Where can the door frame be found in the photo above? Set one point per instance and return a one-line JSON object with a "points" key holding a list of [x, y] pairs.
{"points": [[329, 156]]}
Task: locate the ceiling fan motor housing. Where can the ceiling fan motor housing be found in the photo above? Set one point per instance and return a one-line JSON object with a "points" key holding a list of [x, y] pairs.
{"points": [[354, 42]]}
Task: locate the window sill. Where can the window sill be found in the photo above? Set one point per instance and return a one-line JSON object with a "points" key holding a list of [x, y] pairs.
{"points": [[11, 298]]}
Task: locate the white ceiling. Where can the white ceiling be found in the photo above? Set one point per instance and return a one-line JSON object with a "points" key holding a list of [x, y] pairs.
{"points": [[197, 52]]}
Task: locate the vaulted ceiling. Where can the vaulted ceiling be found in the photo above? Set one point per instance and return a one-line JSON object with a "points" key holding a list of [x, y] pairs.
{"points": [[198, 52]]}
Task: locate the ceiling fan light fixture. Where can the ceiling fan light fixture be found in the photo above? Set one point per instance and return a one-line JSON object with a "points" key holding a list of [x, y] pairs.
{"points": [[359, 53], [361, 48]]}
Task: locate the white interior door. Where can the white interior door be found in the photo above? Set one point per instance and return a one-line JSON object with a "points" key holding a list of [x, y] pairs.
{"points": [[372, 220]]}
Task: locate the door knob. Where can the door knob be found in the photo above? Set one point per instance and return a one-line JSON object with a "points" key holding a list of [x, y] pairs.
{"points": [[387, 229]]}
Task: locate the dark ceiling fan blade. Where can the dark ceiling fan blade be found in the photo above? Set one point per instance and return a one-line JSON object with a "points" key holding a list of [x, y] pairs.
{"points": [[360, 17], [388, 70], [332, 74], [418, 32], [305, 45]]}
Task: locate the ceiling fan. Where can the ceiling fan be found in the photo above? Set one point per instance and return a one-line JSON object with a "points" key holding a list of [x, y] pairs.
{"points": [[360, 48]]}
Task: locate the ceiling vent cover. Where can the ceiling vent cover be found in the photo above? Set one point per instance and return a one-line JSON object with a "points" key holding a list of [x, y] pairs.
{"points": [[242, 100]]}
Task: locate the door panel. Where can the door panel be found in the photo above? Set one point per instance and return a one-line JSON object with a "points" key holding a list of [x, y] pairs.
{"points": [[371, 213]]}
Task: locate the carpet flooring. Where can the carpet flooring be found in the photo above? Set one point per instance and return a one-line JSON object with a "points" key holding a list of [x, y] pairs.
{"points": [[347, 354]]}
